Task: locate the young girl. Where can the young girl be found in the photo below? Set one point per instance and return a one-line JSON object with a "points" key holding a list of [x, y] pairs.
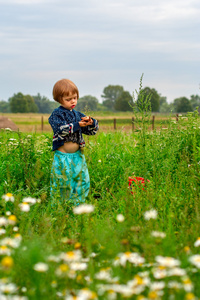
{"points": [[69, 172]]}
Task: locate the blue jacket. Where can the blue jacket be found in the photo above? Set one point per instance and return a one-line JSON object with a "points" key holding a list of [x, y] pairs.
{"points": [[65, 122]]}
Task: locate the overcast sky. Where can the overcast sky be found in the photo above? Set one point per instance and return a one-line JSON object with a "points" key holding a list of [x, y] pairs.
{"points": [[100, 42]]}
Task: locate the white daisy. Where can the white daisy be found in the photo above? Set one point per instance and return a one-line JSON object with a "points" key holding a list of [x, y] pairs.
{"points": [[150, 214], [83, 209], [41, 267], [120, 218]]}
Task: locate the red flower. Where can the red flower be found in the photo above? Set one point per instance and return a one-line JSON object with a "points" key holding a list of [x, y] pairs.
{"points": [[137, 181]]}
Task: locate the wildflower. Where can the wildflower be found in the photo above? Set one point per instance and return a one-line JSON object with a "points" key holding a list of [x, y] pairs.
{"points": [[24, 207], [24, 289], [86, 294], [176, 272], [139, 281], [120, 218], [159, 273], [12, 220], [93, 254], [8, 288], [158, 234], [153, 295], [12, 242], [99, 160], [169, 262], [187, 249], [7, 262], [197, 243], [2, 231], [158, 285], [111, 295], [195, 260], [150, 214], [3, 221], [133, 258], [4, 250], [103, 274], [190, 296], [62, 269], [8, 197], [77, 245], [29, 200], [174, 285], [77, 266], [83, 209], [53, 258], [8, 213], [71, 256], [54, 284], [41, 267], [187, 284], [15, 228]]}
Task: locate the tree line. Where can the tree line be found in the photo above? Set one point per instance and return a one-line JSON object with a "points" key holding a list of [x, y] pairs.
{"points": [[114, 97]]}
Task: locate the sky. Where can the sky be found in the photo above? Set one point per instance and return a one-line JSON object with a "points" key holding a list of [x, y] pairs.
{"points": [[97, 43]]}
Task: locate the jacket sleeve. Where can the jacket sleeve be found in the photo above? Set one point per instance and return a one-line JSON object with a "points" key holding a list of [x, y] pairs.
{"points": [[91, 129], [60, 126]]}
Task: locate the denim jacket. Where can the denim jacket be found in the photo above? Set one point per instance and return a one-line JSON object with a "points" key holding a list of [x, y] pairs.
{"points": [[65, 122]]}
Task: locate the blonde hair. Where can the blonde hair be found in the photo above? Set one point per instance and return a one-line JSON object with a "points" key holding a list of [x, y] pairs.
{"points": [[64, 87]]}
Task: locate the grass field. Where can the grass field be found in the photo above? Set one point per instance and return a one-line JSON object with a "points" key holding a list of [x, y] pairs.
{"points": [[140, 245], [39, 122]]}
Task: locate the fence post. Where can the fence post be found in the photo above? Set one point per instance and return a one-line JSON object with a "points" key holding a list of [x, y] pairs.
{"points": [[153, 121], [176, 117], [42, 123], [115, 124], [133, 125]]}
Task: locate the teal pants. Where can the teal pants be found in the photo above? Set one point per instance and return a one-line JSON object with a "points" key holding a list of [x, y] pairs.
{"points": [[69, 177]]}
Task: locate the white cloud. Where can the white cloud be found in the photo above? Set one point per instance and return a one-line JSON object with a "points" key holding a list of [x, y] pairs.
{"points": [[26, 2], [97, 43]]}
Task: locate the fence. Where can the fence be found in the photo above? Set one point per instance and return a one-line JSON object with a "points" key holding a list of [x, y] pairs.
{"points": [[114, 121], [132, 121]]}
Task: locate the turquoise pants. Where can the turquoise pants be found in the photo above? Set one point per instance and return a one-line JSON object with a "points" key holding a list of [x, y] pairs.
{"points": [[69, 177]]}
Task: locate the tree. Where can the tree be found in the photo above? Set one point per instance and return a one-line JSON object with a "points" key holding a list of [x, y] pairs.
{"points": [[22, 103], [31, 106], [195, 101], [110, 94], [45, 106], [182, 104], [164, 106], [4, 106], [87, 102], [18, 103], [163, 100], [154, 98], [124, 102]]}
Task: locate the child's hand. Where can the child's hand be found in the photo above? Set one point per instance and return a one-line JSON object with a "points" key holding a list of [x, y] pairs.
{"points": [[85, 121]]}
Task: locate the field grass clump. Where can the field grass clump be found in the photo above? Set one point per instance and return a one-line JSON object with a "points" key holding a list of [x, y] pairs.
{"points": [[139, 243]]}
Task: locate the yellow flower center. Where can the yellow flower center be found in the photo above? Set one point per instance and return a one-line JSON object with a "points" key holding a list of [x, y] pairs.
{"points": [[127, 254], [153, 295], [7, 262], [189, 296], [139, 279], [70, 254], [63, 268], [12, 218], [9, 195]]}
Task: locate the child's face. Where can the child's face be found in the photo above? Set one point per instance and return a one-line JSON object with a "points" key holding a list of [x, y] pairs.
{"points": [[69, 102]]}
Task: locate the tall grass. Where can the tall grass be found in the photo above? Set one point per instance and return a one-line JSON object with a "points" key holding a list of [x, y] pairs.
{"points": [[107, 263]]}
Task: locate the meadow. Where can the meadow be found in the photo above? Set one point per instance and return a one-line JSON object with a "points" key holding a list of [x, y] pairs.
{"points": [[127, 242], [38, 123]]}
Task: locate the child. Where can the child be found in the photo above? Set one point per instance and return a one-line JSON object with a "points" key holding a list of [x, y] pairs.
{"points": [[69, 169]]}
